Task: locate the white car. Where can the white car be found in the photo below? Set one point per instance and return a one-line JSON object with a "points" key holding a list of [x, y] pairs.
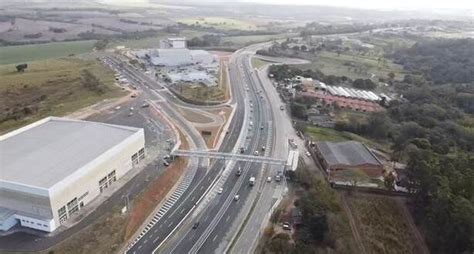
{"points": [[269, 179], [118, 107], [236, 197], [308, 154], [220, 190]]}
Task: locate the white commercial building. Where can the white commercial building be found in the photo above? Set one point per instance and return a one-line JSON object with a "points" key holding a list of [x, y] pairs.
{"points": [[54, 167], [173, 43]]}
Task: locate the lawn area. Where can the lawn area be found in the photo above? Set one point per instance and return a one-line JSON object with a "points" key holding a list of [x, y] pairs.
{"points": [[382, 225], [152, 42], [27, 53], [219, 23], [50, 87], [258, 63], [250, 39], [331, 63], [200, 93], [326, 134]]}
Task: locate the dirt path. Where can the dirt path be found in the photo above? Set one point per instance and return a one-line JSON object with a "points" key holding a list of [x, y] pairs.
{"points": [[355, 231], [420, 240]]}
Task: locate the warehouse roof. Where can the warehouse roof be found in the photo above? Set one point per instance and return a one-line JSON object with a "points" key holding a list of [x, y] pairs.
{"points": [[45, 152], [349, 153]]}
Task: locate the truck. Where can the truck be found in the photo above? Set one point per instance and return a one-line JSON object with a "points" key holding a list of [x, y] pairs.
{"points": [[252, 181]]}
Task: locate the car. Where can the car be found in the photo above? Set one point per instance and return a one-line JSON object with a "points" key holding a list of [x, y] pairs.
{"points": [[282, 107], [145, 105], [133, 96], [131, 108], [261, 127], [239, 172], [255, 153], [307, 154], [269, 179], [220, 190], [286, 226], [165, 163], [236, 197], [118, 107], [130, 114], [278, 178], [196, 224], [263, 148]]}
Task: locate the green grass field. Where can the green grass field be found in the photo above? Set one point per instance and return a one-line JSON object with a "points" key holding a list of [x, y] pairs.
{"points": [[331, 63], [27, 53], [250, 39], [220, 23], [49, 87], [326, 134], [152, 42], [258, 63]]}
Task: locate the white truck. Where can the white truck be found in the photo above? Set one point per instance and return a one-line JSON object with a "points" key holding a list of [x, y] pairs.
{"points": [[252, 181]]}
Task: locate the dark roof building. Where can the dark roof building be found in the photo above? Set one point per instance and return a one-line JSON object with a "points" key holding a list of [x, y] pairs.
{"points": [[348, 155]]}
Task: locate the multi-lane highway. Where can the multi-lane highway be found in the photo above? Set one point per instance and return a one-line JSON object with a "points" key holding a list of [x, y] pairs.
{"points": [[251, 128]]}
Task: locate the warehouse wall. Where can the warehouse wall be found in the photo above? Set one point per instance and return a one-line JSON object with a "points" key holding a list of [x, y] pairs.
{"points": [[84, 183]]}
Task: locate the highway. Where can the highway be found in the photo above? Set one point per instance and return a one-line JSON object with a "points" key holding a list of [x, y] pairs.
{"points": [[204, 176], [219, 214]]}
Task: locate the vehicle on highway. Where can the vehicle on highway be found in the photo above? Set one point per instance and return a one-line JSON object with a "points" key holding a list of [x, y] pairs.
{"points": [[251, 123], [252, 181], [261, 127], [239, 172], [220, 190], [145, 105], [282, 107], [196, 224], [269, 179], [236, 197], [131, 108], [166, 163], [263, 148], [278, 178], [286, 226], [256, 153], [118, 107], [242, 150], [130, 114], [307, 154], [133, 96]]}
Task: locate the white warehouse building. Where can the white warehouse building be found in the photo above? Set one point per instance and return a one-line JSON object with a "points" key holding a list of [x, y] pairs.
{"points": [[54, 167]]}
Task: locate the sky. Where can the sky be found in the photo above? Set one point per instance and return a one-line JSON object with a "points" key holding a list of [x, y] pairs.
{"points": [[380, 4]]}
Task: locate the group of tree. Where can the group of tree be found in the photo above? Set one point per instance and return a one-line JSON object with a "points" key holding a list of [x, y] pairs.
{"points": [[91, 82], [207, 40], [283, 72], [365, 84], [440, 60], [101, 44], [315, 28]]}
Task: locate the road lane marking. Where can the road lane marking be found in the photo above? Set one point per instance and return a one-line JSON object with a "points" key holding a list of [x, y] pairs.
{"points": [[202, 187], [194, 197], [227, 219], [182, 211], [154, 241], [214, 239], [171, 223]]}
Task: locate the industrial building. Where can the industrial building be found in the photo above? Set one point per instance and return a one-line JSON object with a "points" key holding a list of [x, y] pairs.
{"points": [[54, 167], [173, 43], [349, 155], [180, 57]]}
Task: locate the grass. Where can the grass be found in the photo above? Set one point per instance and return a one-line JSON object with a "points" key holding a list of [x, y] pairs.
{"points": [[220, 23], [152, 42], [258, 63], [27, 53], [381, 224], [326, 134], [201, 93], [364, 66], [49, 87], [251, 39]]}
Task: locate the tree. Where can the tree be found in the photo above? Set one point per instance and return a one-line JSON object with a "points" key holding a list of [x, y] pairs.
{"points": [[21, 67], [391, 75], [101, 44], [91, 82]]}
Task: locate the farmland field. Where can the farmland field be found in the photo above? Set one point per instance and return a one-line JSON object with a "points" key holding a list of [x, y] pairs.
{"points": [[50, 87], [381, 224], [220, 23], [354, 66], [26, 53]]}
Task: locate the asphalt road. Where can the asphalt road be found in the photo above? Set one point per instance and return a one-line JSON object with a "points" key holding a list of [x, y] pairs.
{"points": [[202, 180], [215, 219]]}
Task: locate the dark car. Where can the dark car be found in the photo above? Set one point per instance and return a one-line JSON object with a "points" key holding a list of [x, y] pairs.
{"points": [[196, 225]]}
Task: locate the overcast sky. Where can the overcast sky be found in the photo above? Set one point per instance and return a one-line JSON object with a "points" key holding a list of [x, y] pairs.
{"points": [[380, 4]]}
